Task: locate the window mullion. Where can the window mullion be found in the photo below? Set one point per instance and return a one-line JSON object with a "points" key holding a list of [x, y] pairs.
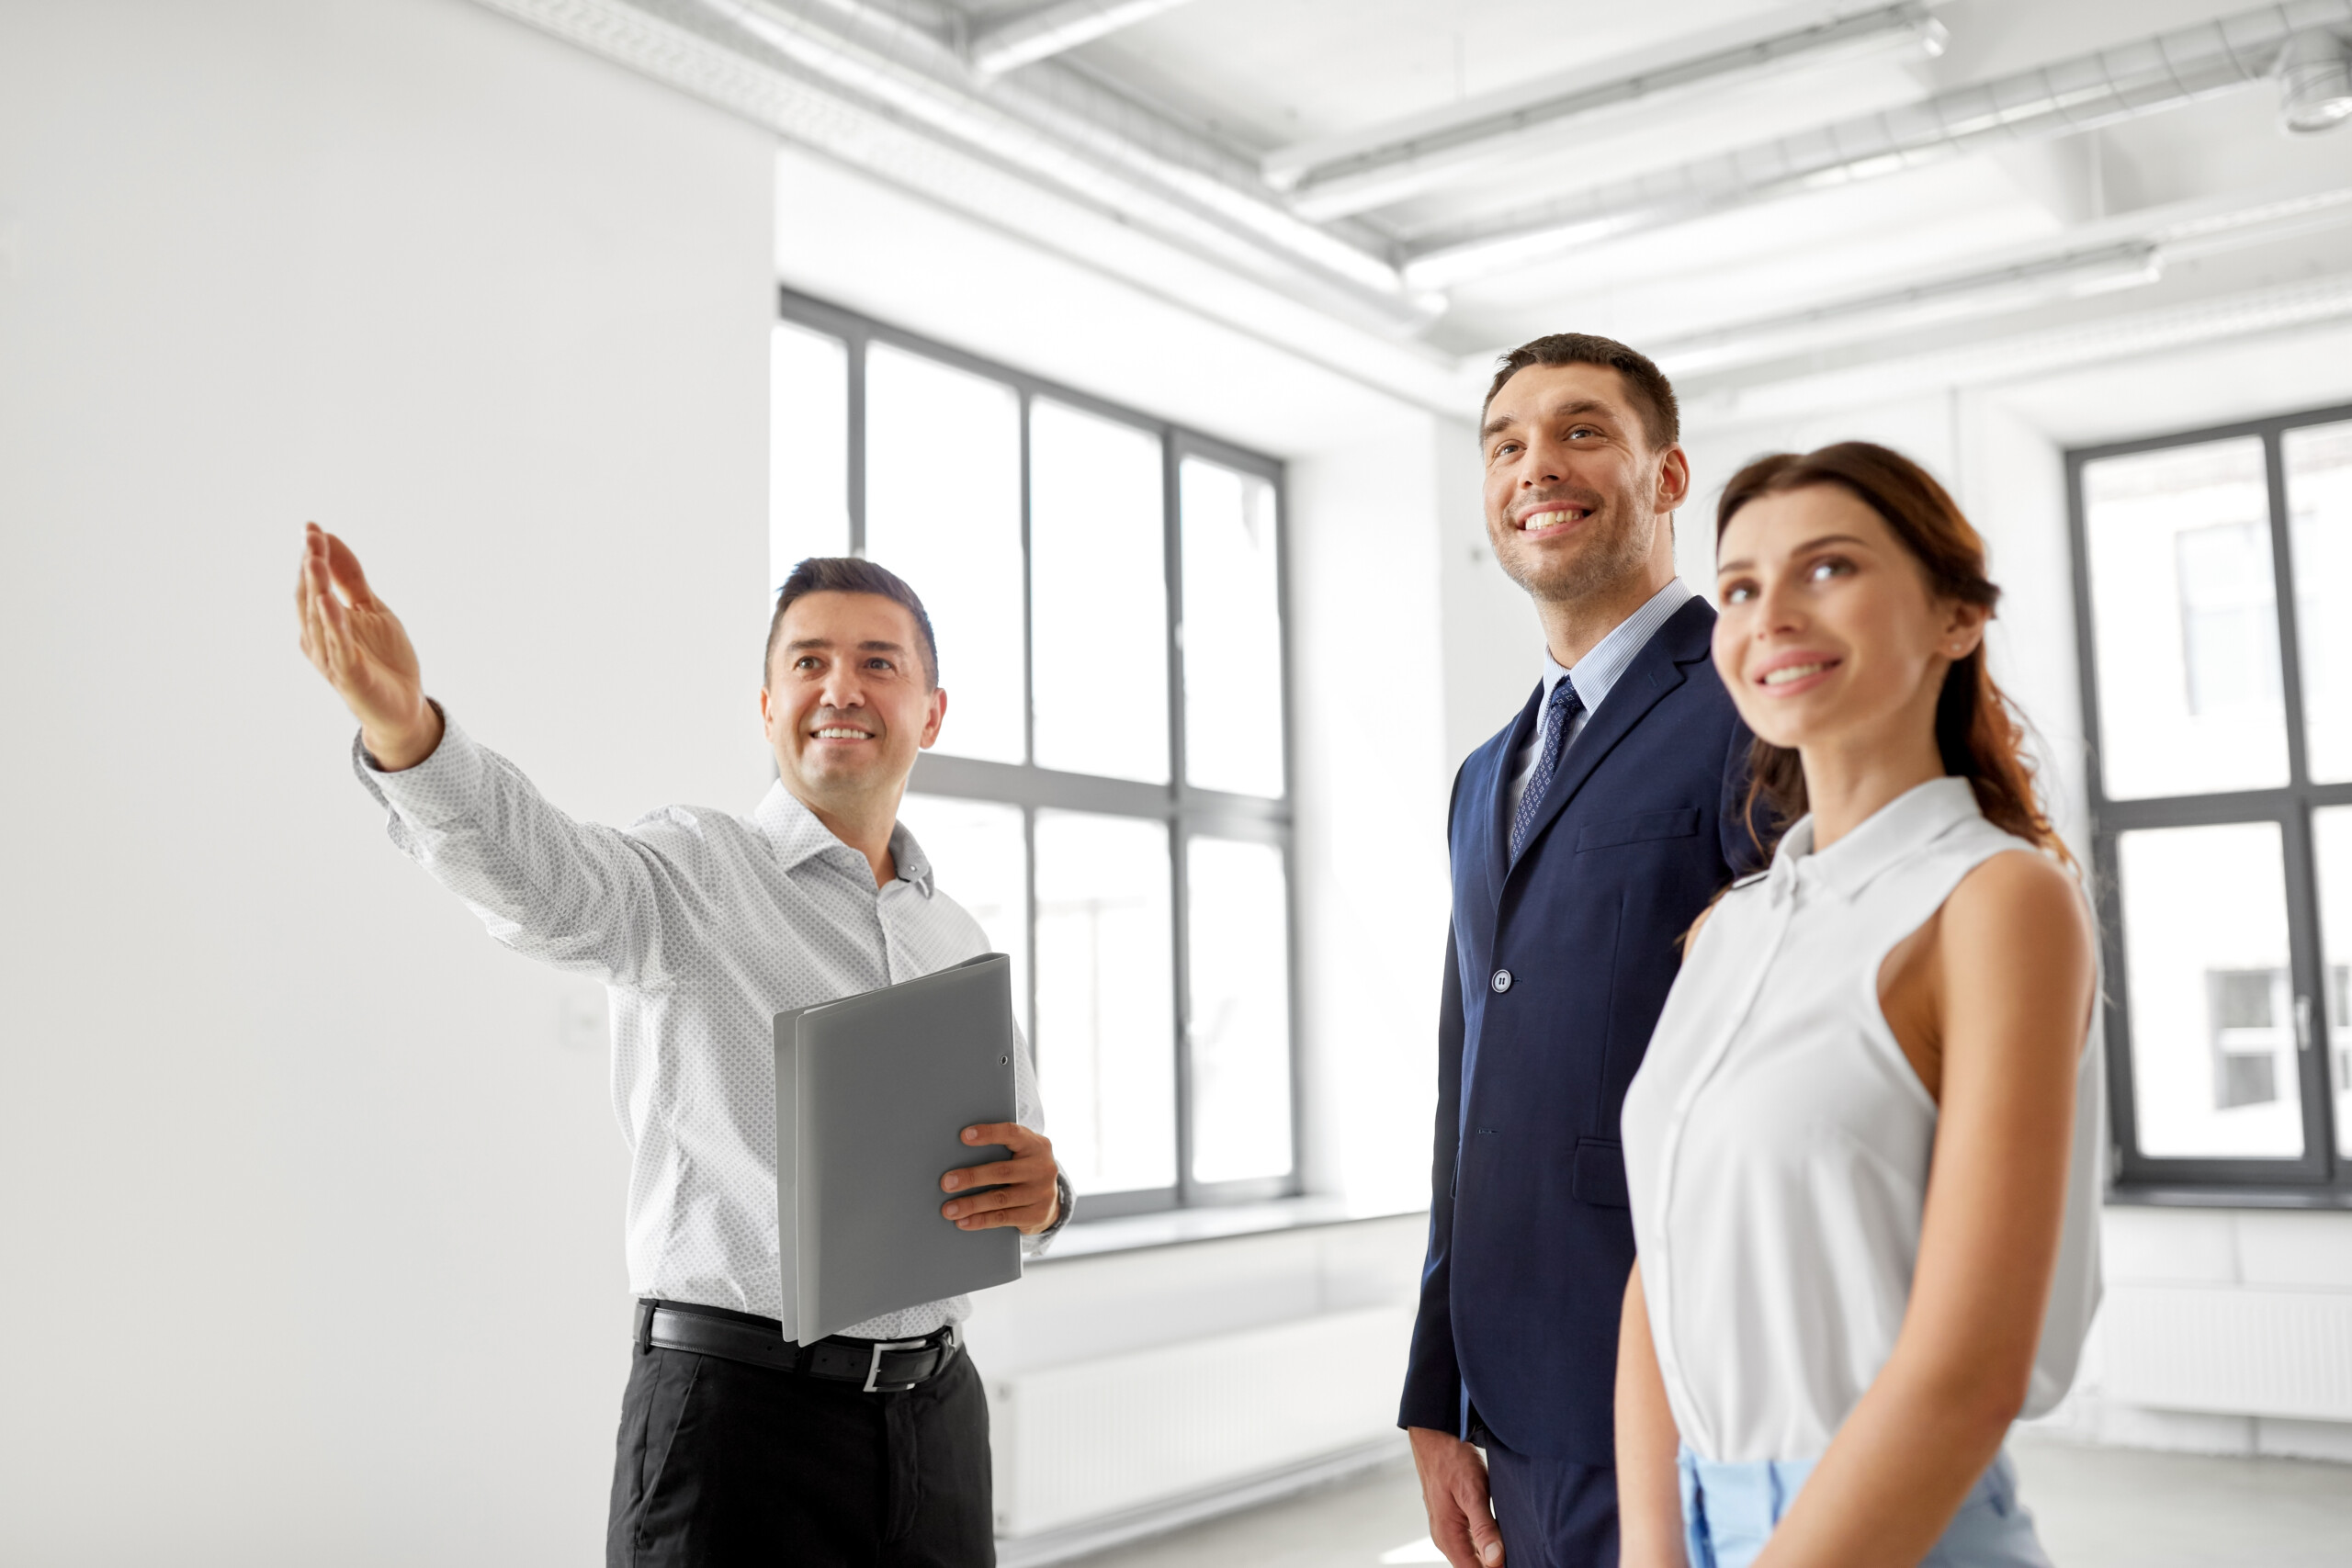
{"points": [[2308, 969], [1178, 825], [2310, 990], [855, 343]]}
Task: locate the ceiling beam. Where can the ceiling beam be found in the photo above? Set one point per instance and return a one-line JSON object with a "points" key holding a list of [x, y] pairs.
{"points": [[1338, 175], [2147, 76], [1053, 28]]}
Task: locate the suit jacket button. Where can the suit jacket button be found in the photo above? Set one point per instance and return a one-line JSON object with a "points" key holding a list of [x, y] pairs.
{"points": [[1502, 980]]}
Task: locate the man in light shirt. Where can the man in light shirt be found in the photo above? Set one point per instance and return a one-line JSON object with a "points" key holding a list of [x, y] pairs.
{"points": [[736, 1446]]}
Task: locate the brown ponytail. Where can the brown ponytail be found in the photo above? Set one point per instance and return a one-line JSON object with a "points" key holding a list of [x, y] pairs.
{"points": [[1977, 729]]}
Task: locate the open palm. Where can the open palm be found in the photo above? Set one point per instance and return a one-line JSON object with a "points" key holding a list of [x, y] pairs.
{"points": [[353, 639]]}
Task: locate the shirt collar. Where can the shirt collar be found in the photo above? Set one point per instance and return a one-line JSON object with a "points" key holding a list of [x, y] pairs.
{"points": [[1890, 835], [1598, 671], [795, 835]]}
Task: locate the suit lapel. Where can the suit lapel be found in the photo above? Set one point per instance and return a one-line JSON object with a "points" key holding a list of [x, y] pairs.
{"points": [[1655, 670]]}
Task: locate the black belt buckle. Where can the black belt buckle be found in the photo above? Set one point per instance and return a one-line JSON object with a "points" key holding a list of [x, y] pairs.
{"points": [[942, 1340], [873, 1368]]}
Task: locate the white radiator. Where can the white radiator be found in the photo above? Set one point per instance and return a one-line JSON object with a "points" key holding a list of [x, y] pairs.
{"points": [[1078, 1441], [2235, 1349]]}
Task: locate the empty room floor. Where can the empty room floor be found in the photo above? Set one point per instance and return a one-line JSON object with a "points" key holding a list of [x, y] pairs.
{"points": [[2096, 1508]]}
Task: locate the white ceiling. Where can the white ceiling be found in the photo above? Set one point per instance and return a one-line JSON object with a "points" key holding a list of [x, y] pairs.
{"points": [[1215, 153], [1260, 75]]}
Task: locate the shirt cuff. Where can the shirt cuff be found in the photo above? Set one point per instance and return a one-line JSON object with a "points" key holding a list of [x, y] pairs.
{"points": [[1063, 1204], [440, 790]]}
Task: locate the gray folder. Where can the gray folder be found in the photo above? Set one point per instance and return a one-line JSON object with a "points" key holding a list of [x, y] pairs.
{"points": [[872, 1093]]}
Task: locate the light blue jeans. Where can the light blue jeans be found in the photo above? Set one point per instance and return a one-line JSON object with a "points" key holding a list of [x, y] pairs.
{"points": [[1728, 1512]]}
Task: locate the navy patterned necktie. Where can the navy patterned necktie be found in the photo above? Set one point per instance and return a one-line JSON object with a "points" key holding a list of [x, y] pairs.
{"points": [[1558, 712]]}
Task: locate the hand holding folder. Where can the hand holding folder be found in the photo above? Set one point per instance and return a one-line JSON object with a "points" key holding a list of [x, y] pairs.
{"points": [[872, 1093]]}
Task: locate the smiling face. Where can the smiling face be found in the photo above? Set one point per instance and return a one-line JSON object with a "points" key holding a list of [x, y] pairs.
{"points": [[1830, 633], [848, 706], [1577, 502]]}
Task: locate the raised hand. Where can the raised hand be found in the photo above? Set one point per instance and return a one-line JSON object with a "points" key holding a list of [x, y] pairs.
{"points": [[354, 640]]}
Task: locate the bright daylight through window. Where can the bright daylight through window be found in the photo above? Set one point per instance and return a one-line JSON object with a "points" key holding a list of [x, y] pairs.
{"points": [[1109, 798], [2219, 680]]}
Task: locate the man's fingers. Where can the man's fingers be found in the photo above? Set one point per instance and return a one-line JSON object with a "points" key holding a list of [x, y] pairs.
{"points": [[1486, 1536], [1012, 1134], [345, 567], [994, 1199], [1450, 1536], [997, 1173], [1018, 1219]]}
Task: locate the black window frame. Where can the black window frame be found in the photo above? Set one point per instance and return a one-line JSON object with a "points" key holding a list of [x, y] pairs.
{"points": [[1186, 811], [2322, 1177]]}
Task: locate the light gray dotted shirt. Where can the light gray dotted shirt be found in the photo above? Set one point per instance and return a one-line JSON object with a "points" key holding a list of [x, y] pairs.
{"points": [[704, 926]]}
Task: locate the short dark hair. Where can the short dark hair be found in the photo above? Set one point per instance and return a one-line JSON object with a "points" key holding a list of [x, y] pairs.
{"points": [[1653, 393], [849, 574]]}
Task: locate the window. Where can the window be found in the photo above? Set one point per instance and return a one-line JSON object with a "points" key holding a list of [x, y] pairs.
{"points": [[2218, 686], [1110, 795]]}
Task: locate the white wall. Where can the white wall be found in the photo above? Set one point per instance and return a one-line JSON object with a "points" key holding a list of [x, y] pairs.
{"points": [[313, 1224], [1369, 736]]}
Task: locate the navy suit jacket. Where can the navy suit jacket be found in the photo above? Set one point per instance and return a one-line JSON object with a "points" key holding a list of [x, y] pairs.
{"points": [[1529, 1241]]}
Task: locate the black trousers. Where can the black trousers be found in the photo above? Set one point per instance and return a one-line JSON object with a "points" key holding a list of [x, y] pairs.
{"points": [[722, 1464]]}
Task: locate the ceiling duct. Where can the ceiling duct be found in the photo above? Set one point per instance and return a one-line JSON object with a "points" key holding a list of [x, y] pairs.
{"points": [[2069, 276], [879, 59], [1389, 163], [2109, 86], [1054, 29], [2315, 81]]}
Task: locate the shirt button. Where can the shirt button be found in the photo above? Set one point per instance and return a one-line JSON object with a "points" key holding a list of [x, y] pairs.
{"points": [[1501, 981]]}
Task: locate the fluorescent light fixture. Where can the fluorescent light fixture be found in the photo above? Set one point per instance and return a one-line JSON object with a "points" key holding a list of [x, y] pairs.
{"points": [[1367, 169], [2070, 276], [2315, 81]]}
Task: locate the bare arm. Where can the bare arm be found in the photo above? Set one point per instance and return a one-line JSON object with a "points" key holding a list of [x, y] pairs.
{"points": [[1649, 1487], [2014, 974]]}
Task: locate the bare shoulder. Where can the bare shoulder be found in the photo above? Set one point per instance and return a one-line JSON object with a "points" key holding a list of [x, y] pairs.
{"points": [[2023, 912], [2021, 886]]}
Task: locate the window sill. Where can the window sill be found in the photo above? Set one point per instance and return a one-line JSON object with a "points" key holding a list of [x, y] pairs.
{"points": [[1181, 1227], [2161, 1197]]}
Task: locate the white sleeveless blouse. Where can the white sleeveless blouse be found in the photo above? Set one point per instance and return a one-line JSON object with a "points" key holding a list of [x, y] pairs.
{"points": [[1777, 1141]]}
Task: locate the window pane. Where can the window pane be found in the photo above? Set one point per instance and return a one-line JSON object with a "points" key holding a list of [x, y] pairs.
{"points": [[943, 510], [2319, 502], [2212, 1020], [979, 857], [1098, 585], [2332, 847], [1106, 1000], [808, 448], [1240, 1010], [1233, 665], [2184, 618]]}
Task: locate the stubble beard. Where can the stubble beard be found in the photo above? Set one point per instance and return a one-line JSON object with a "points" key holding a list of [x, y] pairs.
{"points": [[1597, 571]]}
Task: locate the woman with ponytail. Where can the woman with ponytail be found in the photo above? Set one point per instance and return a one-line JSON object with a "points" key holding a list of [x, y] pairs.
{"points": [[1863, 1150]]}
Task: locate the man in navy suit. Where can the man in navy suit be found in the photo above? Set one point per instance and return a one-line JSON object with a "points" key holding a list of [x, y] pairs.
{"points": [[1585, 838]]}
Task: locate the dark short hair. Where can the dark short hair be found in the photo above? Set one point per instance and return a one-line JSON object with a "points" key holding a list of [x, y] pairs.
{"points": [[1653, 393], [849, 574]]}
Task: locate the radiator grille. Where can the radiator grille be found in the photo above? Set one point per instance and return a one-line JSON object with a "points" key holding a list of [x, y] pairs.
{"points": [[2231, 1349], [1094, 1438]]}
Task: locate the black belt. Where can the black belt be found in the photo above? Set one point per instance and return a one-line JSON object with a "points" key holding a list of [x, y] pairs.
{"points": [[876, 1366]]}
